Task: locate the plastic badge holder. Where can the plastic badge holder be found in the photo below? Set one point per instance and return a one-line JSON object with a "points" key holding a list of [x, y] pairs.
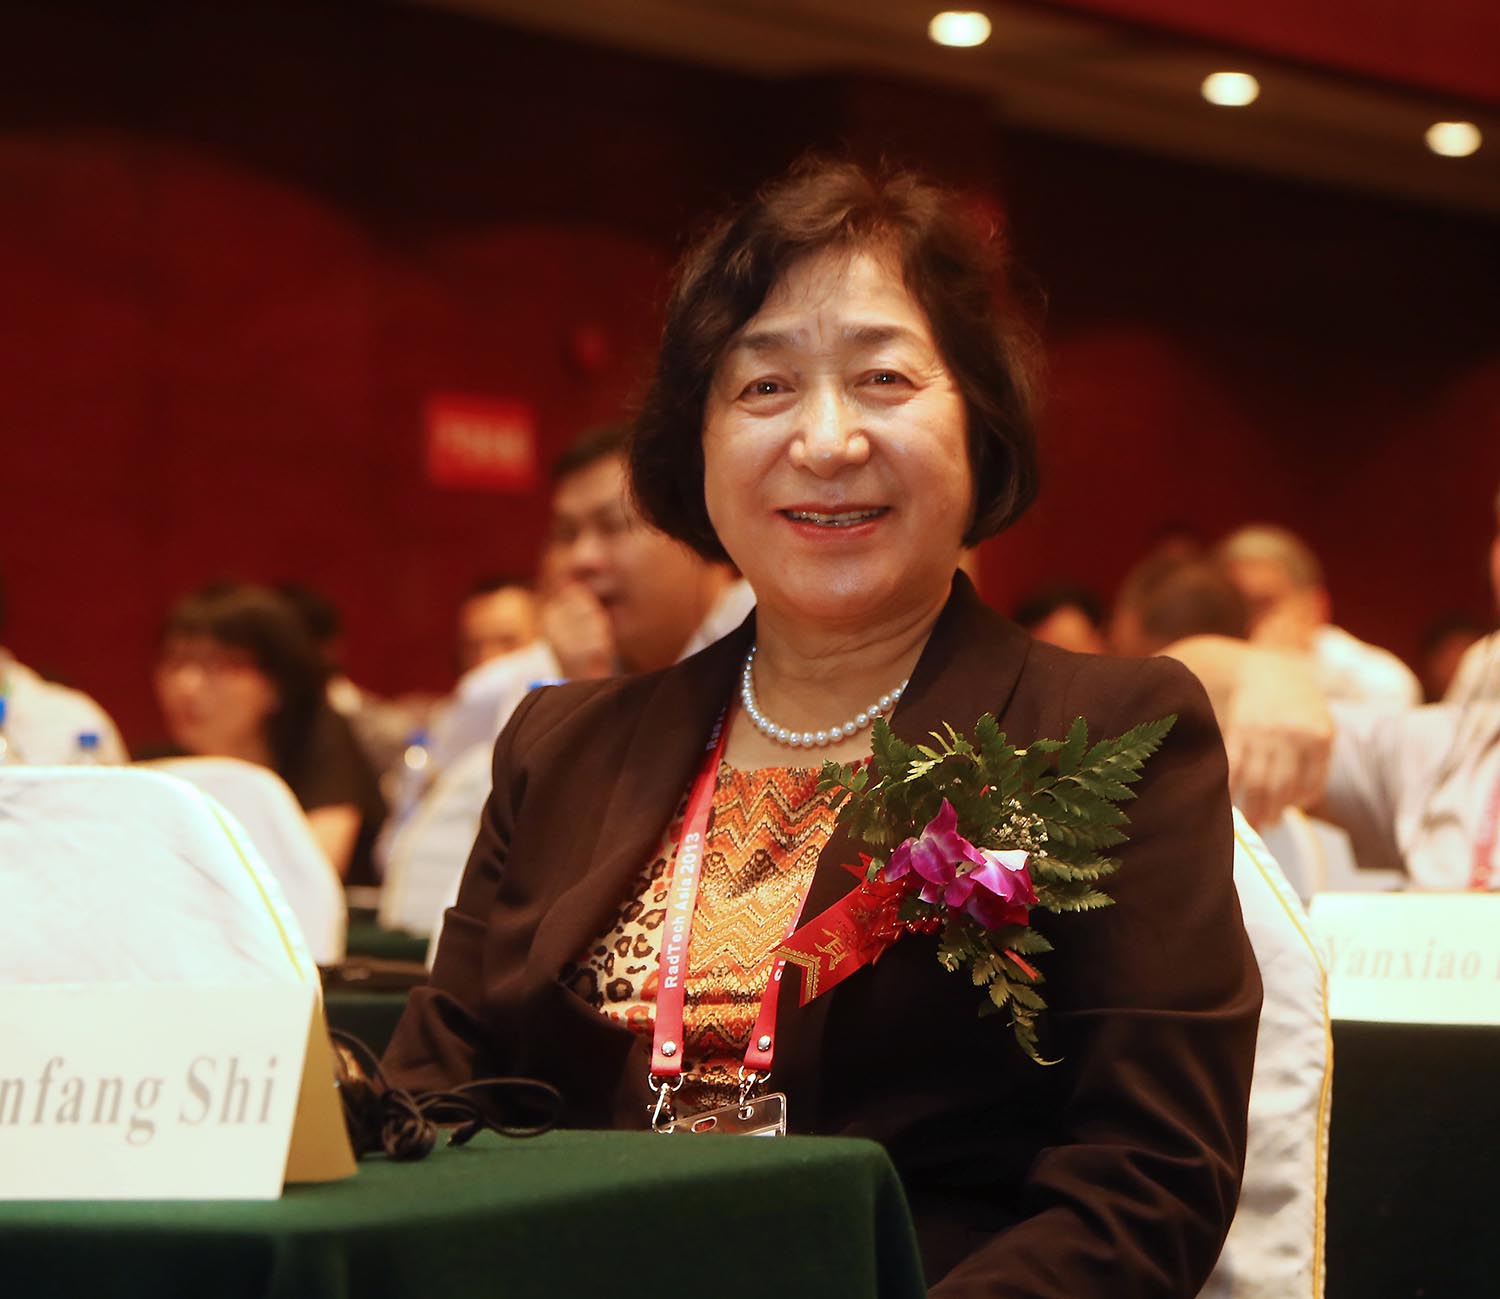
{"points": [[763, 1116]]}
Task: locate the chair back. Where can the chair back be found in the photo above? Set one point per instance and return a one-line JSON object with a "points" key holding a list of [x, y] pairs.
{"points": [[270, 814], [122, 875], [1275, 1244]]}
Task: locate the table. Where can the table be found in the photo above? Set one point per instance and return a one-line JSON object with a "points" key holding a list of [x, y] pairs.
{"points": [[1412, 1143], [366, 938], [1397, 1150], [563, 1215]]}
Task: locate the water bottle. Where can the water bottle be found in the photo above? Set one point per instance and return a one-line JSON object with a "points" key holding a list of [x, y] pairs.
{"points": [[415, 756], [9, 754], [405, 783], [86, 749]]}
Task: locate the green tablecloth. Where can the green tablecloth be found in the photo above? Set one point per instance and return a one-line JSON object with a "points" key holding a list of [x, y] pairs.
{"points": [[370, 1016], [366, 938], [567, 1214]]}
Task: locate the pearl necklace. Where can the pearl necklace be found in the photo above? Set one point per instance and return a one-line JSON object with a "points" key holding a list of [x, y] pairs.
{"points": [[809, 739]]}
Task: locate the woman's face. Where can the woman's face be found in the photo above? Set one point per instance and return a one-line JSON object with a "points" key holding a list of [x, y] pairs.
{"points": [[835, 447], [214, 698]]}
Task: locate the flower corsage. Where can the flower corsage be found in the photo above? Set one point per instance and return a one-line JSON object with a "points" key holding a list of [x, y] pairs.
{"points": [[966, 838]]}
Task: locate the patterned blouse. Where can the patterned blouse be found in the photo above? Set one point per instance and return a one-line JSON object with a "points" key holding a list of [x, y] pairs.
{"points": [[765, 832]]}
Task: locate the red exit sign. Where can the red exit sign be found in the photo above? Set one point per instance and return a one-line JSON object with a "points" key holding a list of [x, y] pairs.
{"points": [[480, 442]]}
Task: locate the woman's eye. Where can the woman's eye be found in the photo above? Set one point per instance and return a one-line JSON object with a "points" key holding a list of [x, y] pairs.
{"points": [[762, 388], [885, 378]]}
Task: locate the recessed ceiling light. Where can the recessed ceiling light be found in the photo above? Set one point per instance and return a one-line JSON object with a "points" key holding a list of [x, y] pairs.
{"points": [[1231, 89], [961, 27], [1454, 139]]}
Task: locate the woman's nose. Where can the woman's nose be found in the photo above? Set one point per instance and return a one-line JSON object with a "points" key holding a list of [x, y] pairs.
{"points": [[182, 677], [830, 438], [177, 683]]}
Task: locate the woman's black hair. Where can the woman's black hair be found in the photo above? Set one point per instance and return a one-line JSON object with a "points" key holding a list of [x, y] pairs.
{"points": [[954, 272], [264, 624]]}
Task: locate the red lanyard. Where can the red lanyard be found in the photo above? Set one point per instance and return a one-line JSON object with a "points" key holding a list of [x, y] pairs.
{"points": [[667, 1047], [1484, 843]]}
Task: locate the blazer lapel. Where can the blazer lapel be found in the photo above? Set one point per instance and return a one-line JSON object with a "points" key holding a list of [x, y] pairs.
{"points": [[648, 774]]}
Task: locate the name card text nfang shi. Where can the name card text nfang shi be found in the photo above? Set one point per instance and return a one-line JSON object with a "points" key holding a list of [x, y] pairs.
{"points": [[1412, 958], [149, 1091]]}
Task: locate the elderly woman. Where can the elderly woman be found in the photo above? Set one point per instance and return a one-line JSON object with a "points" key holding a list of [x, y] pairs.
{"points": [[839, 407]]}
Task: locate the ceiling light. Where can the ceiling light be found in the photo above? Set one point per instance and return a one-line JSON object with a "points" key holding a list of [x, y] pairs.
{"points": [[1454, 139], [1231, 89], [962, 27]]}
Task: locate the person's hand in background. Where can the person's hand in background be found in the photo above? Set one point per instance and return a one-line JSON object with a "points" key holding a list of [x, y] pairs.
{"points": [[577, 627], [1278, 731]]}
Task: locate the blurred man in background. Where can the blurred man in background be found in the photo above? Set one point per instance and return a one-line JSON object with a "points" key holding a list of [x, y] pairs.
{"points": [[1282, 585], [498, 616], [1166, 598], [615, 596], [1066, 615]]}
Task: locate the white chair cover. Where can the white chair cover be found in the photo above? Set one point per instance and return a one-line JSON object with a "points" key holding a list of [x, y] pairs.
{"points": [[1299, 852], [118, 875], [428, 853], [43, 720], [269, 812], [1275, 1244]]}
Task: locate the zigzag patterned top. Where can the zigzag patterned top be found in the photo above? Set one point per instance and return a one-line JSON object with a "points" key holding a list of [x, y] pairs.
{"points": [[765, 832]]}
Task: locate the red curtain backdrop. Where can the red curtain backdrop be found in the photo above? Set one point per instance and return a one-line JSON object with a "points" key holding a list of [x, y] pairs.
{"points": [[1448, 47], [241, 249]]}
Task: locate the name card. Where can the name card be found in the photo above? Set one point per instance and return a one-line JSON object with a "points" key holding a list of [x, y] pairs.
{"points": [[153, 1091], [1412, 958]]}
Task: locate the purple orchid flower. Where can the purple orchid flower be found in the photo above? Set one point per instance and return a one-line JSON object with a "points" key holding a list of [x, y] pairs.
{"points": [[993, 887]]}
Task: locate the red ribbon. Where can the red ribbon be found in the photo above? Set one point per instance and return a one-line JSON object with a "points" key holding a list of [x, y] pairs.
{"points": [[851, 934], [856, 931]]}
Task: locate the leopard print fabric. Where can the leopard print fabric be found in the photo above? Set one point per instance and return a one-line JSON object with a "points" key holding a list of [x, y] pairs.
{"points": [[766, 830]]}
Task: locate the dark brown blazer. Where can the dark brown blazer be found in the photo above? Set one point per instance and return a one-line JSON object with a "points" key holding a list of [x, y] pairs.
{"points": [[1114, 1173]]}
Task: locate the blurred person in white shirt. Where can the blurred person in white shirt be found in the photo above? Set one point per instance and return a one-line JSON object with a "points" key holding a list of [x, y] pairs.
{"points": [[1417, 789], [1478, 675]]}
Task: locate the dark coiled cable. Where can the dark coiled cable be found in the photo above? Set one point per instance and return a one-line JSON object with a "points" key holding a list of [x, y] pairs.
{"points": [[404, 1125]]}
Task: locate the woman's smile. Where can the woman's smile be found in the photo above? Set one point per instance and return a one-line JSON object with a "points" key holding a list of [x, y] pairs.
{"points": [[816, 522]]}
